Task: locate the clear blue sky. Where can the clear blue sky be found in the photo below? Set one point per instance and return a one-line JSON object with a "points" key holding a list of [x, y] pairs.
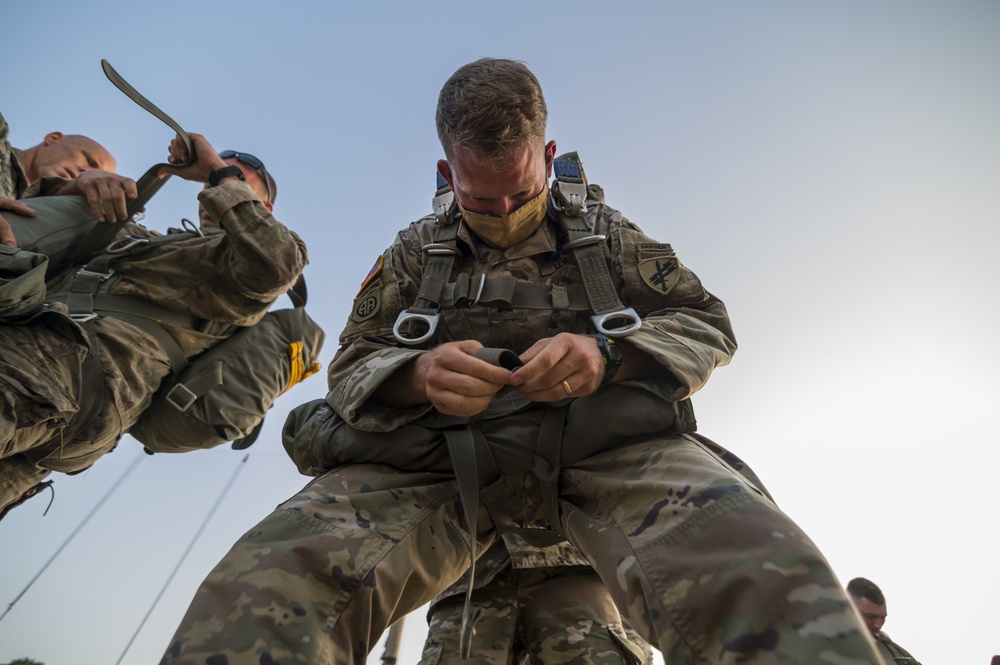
{"points": [[830, 170]]}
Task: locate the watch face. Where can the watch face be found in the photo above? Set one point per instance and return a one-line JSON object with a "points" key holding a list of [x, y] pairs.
{"points": [[614, 353]]}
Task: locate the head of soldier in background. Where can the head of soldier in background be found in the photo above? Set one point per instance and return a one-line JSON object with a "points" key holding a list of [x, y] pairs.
{"points": [[257, 175], [491, 118], [869, 601], [66, 156]]}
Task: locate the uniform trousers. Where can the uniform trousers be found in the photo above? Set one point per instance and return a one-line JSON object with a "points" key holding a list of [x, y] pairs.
{"points": [[535, 616], [698, 561]]}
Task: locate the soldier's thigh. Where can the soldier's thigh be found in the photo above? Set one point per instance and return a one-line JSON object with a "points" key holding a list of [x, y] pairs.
{"points": [[39, 384], [330, 569], [703, 565], [493, 643], [567, 616]]}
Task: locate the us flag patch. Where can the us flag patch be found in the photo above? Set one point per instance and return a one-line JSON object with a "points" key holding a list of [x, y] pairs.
{"points": [[372, 275]]}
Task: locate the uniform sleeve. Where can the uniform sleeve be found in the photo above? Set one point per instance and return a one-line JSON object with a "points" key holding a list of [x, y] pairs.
{"points": [[684, 327], [262, 256], [369, 353]]}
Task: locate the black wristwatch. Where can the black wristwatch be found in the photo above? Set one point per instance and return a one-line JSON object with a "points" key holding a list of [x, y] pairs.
{"points": [[612, 355], [228, 171]]}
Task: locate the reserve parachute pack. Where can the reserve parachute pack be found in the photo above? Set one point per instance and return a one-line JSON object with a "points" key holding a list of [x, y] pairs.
{"points": [[225, 392]]}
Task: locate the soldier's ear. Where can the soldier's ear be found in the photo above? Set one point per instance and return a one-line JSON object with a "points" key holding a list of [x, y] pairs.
{"points": [[269, 206], [445, 170], [53, 137], [550, 156]]}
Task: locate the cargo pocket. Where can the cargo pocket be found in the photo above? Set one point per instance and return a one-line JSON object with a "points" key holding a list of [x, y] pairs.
{"points": [[22, 282]]}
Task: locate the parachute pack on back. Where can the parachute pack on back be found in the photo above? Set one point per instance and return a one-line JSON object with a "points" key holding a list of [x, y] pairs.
{"points": [[224, 394]]}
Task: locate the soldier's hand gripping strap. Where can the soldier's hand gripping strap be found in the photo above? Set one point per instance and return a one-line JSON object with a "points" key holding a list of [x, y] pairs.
{"points": [[569, 192], [149, 183]]}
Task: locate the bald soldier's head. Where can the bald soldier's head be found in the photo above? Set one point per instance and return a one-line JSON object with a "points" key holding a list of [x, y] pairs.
{"points": [[66, 156]]}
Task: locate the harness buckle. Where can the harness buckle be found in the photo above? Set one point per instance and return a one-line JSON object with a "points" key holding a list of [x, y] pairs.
{"points": [[441, 248], [406, 317], [90, 273], [126, 243], [83, 318], [570, 197], [585, 241], [627, 320], [180, 397]]}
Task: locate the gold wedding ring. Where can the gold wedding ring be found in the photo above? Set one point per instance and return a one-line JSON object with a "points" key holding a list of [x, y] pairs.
{"points": [[565, 385]]}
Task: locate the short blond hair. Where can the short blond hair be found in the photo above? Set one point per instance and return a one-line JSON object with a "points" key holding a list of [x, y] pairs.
{"points": [[493, 109]]}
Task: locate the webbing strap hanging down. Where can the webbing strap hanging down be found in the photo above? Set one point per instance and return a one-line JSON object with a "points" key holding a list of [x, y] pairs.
{"points": [[478, 476], [569, 192]]}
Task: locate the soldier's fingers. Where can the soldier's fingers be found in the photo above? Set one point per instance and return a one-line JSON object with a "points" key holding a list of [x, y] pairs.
{"points": [[456, 404], [6, 233], [94, 201], [131, 189], [16, 206], [118, 202]]}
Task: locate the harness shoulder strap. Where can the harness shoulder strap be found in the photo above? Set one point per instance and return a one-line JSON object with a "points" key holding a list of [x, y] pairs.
{"points": [[569, 192], [418, 324]]}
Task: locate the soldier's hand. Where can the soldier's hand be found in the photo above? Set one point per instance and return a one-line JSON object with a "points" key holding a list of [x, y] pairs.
{"points": [[6, 232], [559, 367], [456, 382], [207, 159], [105, 192]]}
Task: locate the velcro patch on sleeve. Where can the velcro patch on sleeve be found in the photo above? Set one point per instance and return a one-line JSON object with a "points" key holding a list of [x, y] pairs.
{"points": [[658, 266], [367, 305]]}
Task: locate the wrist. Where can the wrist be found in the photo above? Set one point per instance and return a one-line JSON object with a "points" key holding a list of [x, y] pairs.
{"points": [[611, 354], [223, 173]]}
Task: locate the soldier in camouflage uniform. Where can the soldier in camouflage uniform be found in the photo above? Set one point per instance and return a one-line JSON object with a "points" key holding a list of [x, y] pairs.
{"points": [[870, 601], [58, 155], [549, 607], [217, 281], [696, 557]]}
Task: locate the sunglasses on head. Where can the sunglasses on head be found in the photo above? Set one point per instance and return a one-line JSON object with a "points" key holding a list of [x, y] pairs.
{"points": [[255, 164]]}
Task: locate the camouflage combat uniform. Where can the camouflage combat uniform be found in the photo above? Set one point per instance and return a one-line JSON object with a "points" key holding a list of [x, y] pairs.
{"points": [[13, 181], [551, 614], [696, 557], [896, 653], [225, 279]]}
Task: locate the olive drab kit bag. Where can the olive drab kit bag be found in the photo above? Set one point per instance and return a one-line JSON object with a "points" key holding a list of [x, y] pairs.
{"points": [[222, 394], [225, 392]]}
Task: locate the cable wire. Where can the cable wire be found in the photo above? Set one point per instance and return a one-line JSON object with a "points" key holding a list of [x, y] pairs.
{"points": [[79, 528], [184, 556]]}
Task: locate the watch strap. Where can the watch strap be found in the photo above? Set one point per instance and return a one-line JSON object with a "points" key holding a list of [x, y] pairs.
{"points": [[229, 171]]}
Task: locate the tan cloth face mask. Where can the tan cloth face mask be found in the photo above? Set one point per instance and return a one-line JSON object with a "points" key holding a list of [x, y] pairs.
{"points": [[505, 231]]}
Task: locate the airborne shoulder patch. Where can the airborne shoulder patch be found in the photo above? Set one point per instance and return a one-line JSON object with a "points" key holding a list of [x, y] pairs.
{"points": [[369, 299], [366, 305]]}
